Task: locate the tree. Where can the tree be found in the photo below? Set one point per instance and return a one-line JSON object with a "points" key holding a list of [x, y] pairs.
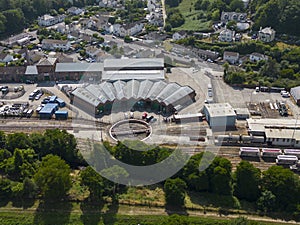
{"points": [[94, 182], [5, 188], [236, 5], [115, 174], [284, 184], [53, 177], [168, 27], [29, 188], [219, 173], [127, 39], [175, 192], [266, 201], [17, 140], [247, 180]]}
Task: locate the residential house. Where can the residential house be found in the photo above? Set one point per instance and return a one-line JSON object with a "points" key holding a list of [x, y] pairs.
{"points": [[266, 34], [227, 35], [131, 29], [15, 40], [52, 44], [74, 11], [47, 20], [62, 28], [34, 56], [6, 57], [205, 54], [238, 17], [62, 58], [156, 36], [108, 3], [179, 35], [92, 52], [22, 52], [231, 57], [243, 59], [148, 53], [255, 57]]}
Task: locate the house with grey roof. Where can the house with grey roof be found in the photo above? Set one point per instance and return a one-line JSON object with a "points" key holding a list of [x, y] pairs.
{"points": [[266, 34], [52, 44]]}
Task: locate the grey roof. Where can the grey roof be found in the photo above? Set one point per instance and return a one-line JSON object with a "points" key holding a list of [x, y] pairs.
{"points": [[119, 87], [86, 96], [177, 96], [132, 88], [79, 67], [133, 63], [31, 70], [295, 92], [133, 74], [145, 87], [109, 90], [168, 94], [167, 91], [156, 89], [219, 110]]}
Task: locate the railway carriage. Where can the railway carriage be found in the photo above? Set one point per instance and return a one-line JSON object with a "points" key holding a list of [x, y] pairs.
{"points": [[249, 152]]}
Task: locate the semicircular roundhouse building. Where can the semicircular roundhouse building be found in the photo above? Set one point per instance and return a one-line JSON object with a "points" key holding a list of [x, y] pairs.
{"points": [[137, 84]]}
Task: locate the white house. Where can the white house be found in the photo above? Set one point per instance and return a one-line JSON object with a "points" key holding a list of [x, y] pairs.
{"points": [[266, 34], [74, 10], [131, 29], [227, 35], [51, 44], [231, 57], [179, 35], [255, 57], [47, 20]]}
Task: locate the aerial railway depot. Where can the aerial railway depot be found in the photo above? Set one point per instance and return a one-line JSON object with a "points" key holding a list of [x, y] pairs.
{"points": [[123, 87]]}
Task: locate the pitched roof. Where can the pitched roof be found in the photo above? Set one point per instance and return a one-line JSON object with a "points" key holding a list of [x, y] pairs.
{"points": [[47, 61], [54, 41]]}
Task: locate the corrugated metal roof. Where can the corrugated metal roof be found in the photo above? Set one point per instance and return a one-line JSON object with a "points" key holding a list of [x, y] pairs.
{"points": [[86, 96], [169, 94], [133, 74], [133, 63], [79, 67], [132, 88], [295, 92], [156, 89], [145, 87], [109, 90], [119, 87], [167, 91], [181, 93]]}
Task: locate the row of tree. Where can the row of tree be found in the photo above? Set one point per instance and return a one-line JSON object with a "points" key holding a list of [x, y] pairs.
{"points": [[25, 176]]}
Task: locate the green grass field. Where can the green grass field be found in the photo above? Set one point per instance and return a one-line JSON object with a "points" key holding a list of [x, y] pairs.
{"points": [[192, 22]]}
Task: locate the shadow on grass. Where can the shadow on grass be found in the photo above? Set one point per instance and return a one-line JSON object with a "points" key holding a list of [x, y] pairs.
{"points": [[91, 212], [53, 213], [110, 215], [214, 200], [23, 203], [171, 209]]}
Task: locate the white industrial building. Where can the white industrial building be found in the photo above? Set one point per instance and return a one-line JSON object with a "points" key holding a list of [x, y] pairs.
{"points": [[220, 115], [277, 132]]}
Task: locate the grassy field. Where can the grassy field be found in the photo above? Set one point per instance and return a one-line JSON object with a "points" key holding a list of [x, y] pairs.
{"points": [[93, 218], [190, 15]]}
